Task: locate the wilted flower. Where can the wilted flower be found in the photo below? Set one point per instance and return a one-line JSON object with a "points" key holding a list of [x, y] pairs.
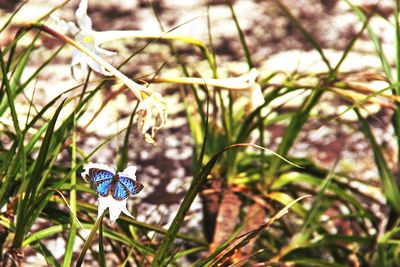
{"points": [[152, 108], [152, 115]]}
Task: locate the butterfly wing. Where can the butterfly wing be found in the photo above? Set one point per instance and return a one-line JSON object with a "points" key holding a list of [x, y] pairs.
{"points": [[103, 187], [120, 191], [97, 175], [101, 180], [131, 185]]}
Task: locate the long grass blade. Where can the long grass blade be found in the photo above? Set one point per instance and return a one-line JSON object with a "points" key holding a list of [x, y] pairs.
{"points": [[247, 237], [29, 187], [194, 189], [5, 25], [241, 36], [310, 39], [89, 241], [390, 186], [73, 224]]}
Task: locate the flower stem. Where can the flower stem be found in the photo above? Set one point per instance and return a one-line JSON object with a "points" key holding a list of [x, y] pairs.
{"points": [[140, 91], [228, 83]]}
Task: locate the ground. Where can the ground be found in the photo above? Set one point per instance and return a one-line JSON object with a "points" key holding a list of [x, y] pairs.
{"points": [[275, 45]]}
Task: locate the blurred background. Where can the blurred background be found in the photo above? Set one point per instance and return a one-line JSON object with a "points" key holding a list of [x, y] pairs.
{"points": [[354, 212]]}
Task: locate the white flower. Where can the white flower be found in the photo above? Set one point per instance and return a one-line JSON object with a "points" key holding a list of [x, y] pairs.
{"points": [[87, 37], [152, 115], [115, 207], [256, 94], [249, 81]]}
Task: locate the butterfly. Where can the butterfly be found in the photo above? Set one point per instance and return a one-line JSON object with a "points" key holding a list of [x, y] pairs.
{"points": [[106, 181]]}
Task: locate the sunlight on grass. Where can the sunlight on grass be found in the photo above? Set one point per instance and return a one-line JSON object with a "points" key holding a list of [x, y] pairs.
{"points": [[238, 162]]}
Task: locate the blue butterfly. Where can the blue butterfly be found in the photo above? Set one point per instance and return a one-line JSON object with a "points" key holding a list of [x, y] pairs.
{"points": [[105, 181]]}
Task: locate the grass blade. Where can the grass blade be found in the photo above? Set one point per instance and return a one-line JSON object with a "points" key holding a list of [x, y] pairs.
{"points": [[29, 187], [195, 187], [310, 39], [390, 187], [73, 224], [241, 36], [89, 240], [12, 16], [245, 238]]}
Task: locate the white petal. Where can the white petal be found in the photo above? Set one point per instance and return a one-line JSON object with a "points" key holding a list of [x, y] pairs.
{"points": [[151, 115], [84, 68], [142, 105], [147, 120], [85, 172], [252, 75], [257, 97], [114, 215], [105, 52], [84, 21], [64, 26], [130, 171], [115, 207], [76, 57], [96, 66], [104, 203], [125, 211]]}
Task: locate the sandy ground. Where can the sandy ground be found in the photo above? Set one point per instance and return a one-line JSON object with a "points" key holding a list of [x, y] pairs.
{"points": [[275, 45]]}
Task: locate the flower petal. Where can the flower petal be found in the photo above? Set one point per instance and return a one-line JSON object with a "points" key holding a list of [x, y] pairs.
{"points": [[64, 26], [84, 67], [152, 115], [105, 52], [114, 214], [147, 120], [84, 21], [115, 208], [76, 57], [130, 171], [103, 205], [125, 210], [256, 97], [96, 66]]}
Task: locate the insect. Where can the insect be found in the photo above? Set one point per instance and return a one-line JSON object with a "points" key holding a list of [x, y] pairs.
{"points": [[105, 181]]}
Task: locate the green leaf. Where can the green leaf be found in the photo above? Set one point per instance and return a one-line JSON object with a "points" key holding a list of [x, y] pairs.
{"points": [[314, 262], [46, 232], [390, 186], [72, 205], [244, 239], [241, 36], [89, 241], [312, 215], [195, 187], [29, 187], [309, 38]]}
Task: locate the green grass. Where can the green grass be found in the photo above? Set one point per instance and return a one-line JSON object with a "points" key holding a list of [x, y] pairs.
{"points": [[43, 198]]}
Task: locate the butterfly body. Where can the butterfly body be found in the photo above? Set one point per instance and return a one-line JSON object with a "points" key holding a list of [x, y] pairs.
{"points": [[106, 182]]}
